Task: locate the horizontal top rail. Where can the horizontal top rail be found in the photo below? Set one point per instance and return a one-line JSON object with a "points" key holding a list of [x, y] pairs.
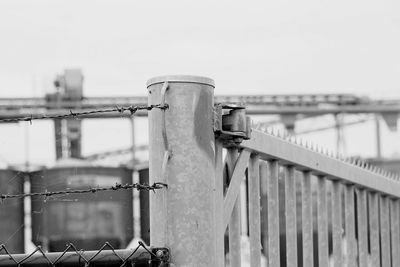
{"points": [[293, 152]]}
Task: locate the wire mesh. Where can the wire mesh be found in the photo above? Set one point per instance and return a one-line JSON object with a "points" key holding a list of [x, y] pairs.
{"points": [[104, 256]]}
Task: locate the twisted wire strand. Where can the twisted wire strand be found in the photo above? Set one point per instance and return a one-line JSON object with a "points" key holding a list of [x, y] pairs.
{"points": [[71, 114], [117, 186]]}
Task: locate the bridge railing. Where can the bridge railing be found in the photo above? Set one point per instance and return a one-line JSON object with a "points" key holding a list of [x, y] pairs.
{"points": [[296, 204]]}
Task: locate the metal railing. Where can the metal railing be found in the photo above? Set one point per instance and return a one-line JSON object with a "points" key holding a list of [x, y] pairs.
{"points": [[302, 205], [350, 209], [331, 211]]}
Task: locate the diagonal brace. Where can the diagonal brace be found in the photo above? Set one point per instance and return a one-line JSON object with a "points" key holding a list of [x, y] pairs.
{"points": [[234, 185]]}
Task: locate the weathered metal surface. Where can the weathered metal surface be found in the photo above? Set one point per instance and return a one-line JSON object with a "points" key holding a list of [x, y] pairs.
{"points": [[322, 222], [264, 205], [307, 219], [254, 212], [394, 231], [273, 214], [373, 210], [385, 232], [182, 216], [291, 222], [233, 218], [12, 211], [219, 205], [337, 221], [362, 227], [349, 218], [272, 147], [236, 179]]}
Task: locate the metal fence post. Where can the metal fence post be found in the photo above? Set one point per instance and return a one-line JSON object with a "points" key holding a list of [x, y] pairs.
{"points": [[182, 156]]}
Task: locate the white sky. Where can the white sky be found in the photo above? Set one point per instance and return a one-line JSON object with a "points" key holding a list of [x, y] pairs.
{"points": [[248, 47]]}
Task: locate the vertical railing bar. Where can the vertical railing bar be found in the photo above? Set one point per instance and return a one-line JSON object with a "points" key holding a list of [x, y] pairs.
{"points": [[307, 219], [385, 232], [394, 231], [299, 216], [322, 221], [273, 214], [254, 211], [337, 229], [235, 181], [244, 207], [264, 206], [362, 227], [351, 246], [219, 204], [290, 213], [397, 229], [374, 228], [234, 223]]}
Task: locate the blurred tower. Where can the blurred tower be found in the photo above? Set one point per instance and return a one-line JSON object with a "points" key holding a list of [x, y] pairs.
{"points": [[69, 88]]}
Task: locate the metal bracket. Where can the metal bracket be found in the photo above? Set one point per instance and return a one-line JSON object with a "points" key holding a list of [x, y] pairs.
{"points": [[231, 125]]}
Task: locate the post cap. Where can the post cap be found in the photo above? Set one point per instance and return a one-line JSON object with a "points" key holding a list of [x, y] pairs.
{"points": [[181, 79]]}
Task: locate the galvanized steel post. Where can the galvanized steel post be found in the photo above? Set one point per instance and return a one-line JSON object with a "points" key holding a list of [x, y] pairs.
{"points": [[182, 156]]}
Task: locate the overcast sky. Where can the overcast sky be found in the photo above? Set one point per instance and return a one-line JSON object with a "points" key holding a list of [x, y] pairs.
{"points": [[247, 47]]}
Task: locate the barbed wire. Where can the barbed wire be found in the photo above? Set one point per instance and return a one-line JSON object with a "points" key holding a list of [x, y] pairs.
{"points": [[76, 257], [131, 109], [117, 186]]}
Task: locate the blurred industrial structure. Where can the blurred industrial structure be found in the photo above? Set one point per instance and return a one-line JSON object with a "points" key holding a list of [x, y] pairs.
{"points": [[93, 219], [283, 109]]}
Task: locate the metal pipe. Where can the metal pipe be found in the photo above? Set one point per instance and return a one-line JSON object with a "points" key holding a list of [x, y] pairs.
{"points": [[181, 154]]}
